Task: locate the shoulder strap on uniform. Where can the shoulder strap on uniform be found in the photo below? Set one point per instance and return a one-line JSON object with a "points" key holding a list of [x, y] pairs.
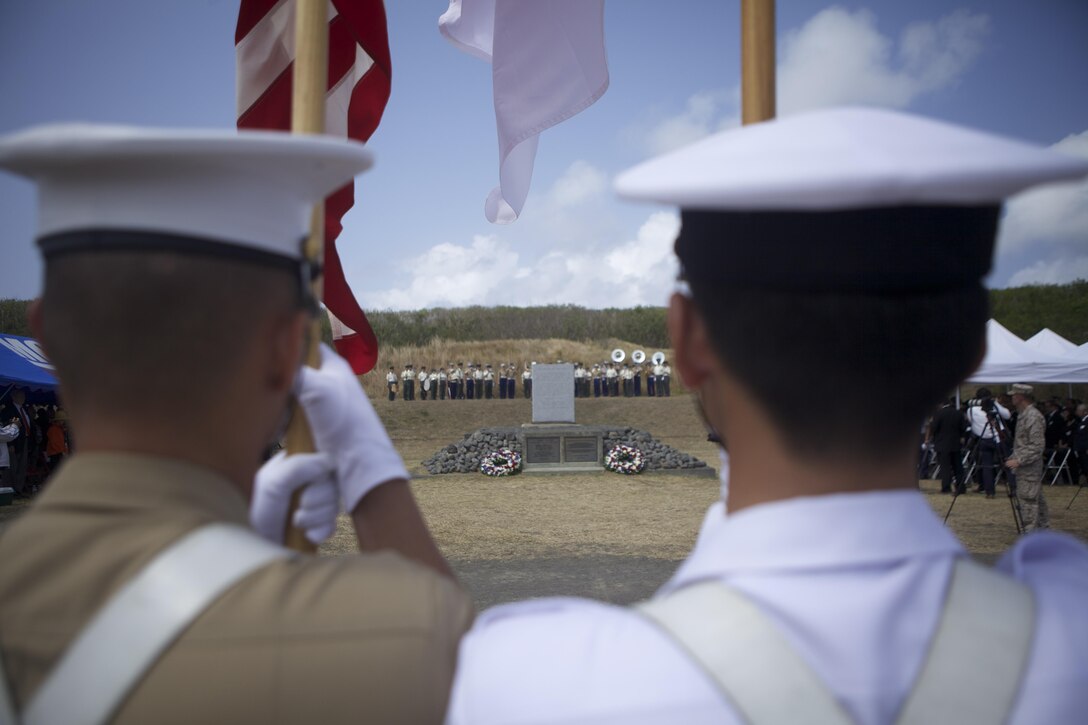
{"points": [[976, 662], [759, 672], [750, 661], [125, 637]]}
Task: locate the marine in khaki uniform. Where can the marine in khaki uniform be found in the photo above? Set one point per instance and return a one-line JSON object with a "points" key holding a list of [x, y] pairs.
{"points": [[171, 429], [1026, 461]]}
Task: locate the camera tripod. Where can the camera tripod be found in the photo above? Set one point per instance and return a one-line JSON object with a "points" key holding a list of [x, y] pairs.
{"points": [[1001, 474]]}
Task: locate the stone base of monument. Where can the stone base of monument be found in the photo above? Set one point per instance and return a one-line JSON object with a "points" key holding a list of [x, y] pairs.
{"points": [[562, 447]]}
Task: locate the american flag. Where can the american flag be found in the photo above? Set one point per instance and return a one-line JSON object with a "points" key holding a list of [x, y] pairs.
{"points": [[358, 88]]}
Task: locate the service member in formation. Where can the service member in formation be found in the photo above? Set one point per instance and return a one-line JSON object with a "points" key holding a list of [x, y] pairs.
{"points": [[1026, 461], [638, 380], [408, 384], [651, 381], [442, 380], [595, 373], [478, 379], [831, 592], [470, 382], [432, 381], [489, 383], [511, 380], [527, 381], [391, 383], [612, 377], [424, 382], [502, 381], [457, 378], [666, 377], [134, 590], [579, 376]]}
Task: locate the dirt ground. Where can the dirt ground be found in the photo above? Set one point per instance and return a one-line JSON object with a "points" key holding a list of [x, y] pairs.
{"points": [[602, 535]]}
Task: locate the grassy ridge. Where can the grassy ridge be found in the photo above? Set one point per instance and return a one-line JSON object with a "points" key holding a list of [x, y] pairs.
{"points": [[497, 334]]}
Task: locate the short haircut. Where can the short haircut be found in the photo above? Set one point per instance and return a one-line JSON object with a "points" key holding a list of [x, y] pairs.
{"points": [[845, 375], [142, 332]]}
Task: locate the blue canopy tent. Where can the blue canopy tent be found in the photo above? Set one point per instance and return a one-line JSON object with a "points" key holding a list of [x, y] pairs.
{"points": [[24, 365]]}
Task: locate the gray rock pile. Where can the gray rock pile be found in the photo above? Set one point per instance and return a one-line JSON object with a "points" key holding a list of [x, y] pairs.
{"points": [[659, 457], [464, 455]]}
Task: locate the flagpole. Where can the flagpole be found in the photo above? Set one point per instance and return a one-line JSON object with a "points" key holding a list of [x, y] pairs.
{"points": [[757, 69], [308, 116]]}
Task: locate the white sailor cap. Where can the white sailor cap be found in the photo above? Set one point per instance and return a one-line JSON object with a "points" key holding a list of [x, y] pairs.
{"points": [[245, 194], [848, 198]]}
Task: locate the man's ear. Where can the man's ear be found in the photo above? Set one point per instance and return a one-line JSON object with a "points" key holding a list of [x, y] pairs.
{"points": [[692, 351], [286, 339]]}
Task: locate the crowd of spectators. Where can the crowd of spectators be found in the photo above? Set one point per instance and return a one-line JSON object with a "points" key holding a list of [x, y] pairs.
{"points": [[978, 437], [34, 439]]}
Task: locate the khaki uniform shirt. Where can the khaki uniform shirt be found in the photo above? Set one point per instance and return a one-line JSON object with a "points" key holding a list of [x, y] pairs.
{"points": [[359, 638], [1030, 440]]}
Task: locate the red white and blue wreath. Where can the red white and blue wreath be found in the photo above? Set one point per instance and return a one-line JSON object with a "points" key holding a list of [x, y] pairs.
{"points": [[503, 462], [625, 459]]}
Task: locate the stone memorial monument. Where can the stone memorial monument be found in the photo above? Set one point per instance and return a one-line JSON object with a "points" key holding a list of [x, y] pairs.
{"points": [[553, 393], [553, 441]]}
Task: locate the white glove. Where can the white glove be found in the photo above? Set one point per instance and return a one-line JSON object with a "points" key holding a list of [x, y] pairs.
{"points": [[278, 478], [345, 427]]}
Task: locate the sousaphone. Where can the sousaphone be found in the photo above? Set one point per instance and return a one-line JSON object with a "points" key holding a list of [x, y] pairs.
{"points": [[618, 355], [638, 357]]}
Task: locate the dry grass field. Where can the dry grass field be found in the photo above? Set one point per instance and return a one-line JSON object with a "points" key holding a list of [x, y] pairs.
{"points": [[605, 535]]}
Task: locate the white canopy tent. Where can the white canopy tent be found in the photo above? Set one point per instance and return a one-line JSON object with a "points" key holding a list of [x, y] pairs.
{"points": [[1049, 342], [1045, 360]]}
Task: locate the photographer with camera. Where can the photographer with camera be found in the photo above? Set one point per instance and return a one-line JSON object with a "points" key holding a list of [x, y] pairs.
{"points": [[987, 418]]}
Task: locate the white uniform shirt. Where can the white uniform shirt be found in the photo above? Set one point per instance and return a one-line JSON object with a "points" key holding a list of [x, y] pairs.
{"points": [[976, 416], [390, 377], [7, 433], [406, 375], [855, 582], [610, 373], [659, 370], [526, 375]]}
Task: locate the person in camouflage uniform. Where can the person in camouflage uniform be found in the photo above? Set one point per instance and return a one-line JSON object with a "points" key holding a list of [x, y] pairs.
{"points": [[1027, 458]]}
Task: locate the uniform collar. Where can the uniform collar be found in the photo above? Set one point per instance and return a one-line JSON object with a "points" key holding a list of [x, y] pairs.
{"points": [[818, 532], [144, 484]]}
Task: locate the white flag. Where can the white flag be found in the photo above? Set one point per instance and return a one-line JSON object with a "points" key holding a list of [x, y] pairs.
{"points": [[547, 64]]}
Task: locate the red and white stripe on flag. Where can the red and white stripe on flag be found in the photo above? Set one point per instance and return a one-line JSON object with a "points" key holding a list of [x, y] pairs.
{"points": [[358, 88]]}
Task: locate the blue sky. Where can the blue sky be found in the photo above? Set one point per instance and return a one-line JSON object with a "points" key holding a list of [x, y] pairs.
{"points": [[418, 237]]}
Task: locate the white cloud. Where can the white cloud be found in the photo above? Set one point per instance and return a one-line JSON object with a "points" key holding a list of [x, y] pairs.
{"points": [[638, 271], [704, 113], [1058, 271], [1052, 216], [453, 276], [840, 57], [581, 182]]}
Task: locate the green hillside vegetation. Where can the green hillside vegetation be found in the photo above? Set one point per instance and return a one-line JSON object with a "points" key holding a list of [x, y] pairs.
{"points": [[1024, 310]]}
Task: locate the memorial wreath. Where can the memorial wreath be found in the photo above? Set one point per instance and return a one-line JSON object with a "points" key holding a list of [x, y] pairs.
{"points": [[625, 459], [503, 462]]}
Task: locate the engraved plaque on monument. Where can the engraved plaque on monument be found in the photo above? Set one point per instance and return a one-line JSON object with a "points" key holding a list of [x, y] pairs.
{"points": [[553, 393], [581, 449], [542, 449]]}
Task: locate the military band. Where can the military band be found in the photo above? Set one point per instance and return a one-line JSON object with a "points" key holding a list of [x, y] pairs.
{"points": [[456, 382]]}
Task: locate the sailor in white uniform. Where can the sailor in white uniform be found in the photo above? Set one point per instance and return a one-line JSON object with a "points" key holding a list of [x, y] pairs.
{"points": [[830, 592]]}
